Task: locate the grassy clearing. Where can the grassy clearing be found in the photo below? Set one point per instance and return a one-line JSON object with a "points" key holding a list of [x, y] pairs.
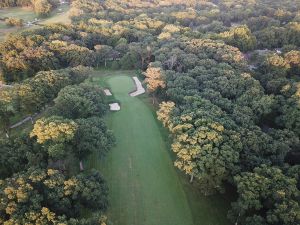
{"points": [[58, 15], [27, 14], [145, 187], [25, 127], [23, 13]]}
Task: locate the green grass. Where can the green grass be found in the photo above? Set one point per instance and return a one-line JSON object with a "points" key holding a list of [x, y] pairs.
{"points": [[58, 16], [145, 187], [25, 127], [28, 14], [23, 13]]}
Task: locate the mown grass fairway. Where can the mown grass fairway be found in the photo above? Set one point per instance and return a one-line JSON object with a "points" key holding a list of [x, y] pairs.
{"points": [[145, 187]]}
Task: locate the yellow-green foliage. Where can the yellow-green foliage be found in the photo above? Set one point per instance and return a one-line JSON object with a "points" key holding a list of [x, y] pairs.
{"points": [[53, 129]]}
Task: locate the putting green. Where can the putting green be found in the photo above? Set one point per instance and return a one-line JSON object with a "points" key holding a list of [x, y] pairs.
{"points": [[145, 188]]}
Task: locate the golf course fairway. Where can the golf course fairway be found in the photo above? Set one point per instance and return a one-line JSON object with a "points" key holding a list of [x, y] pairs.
{"points": [[144, 186]]}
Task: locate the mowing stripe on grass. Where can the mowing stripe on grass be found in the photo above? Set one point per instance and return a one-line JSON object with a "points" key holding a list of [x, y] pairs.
{"points": [[145, 188]]}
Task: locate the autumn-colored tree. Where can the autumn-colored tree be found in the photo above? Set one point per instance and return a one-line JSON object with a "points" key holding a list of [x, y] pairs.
{"points": [[155, 80], [42, 7], [46, 196], [7, 109], [205, 149], [240, 37], [164, 113], [55, 133], [11, 21]]}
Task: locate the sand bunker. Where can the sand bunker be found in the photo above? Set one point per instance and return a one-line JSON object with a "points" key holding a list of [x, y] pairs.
{"points": [[107, 92], [114, 107], [139, 88]]}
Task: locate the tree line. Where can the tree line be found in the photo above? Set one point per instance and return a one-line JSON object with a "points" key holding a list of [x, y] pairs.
{"points": [[38, 183], [225, 74]]}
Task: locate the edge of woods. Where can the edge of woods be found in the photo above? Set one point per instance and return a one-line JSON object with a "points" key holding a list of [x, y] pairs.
{"points": [[200, 205]]}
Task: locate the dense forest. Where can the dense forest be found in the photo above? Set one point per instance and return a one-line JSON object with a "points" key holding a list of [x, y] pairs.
{"points": [[225, 74]]}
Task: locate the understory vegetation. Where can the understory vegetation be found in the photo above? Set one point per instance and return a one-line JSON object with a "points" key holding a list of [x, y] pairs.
{"points": [[223, 74]]}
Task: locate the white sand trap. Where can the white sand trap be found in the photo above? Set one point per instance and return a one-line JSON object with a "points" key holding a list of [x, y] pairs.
{"points": [[114, 107], [107, 92], [139, 88]]}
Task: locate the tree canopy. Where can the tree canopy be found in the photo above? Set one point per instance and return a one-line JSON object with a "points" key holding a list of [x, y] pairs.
{"points": [[225, 75]]}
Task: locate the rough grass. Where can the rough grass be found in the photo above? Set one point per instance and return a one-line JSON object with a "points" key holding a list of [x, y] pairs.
{"points": [[145, 187], [23, 13], [25, 127], [58, 16], [28, 14]]}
